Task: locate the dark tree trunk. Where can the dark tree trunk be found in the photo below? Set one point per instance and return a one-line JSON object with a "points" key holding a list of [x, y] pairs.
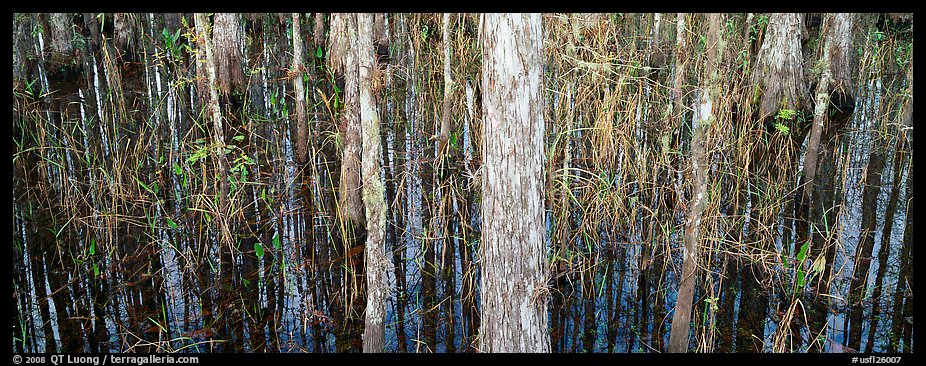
{"points": [[884, 252], [865, 246]]}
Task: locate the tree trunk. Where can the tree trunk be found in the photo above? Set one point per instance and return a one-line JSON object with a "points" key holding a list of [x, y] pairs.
{"points": [[514, 270], [61, 36], [343, 58], [681, 319], [227, 54], [377, 263], [834, 77], [343, 32], [448, 85], [779, 67], [298, 70], [218, 130]]}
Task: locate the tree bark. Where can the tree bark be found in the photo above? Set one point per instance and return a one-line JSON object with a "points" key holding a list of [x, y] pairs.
{"points": [[703, 119], [779, 66], [61, 36], [298, 70], [448, 87], [227, 54], [514, 270], [342, 48], [218, 130], [343, 31], [838, 33], [377, 263]]}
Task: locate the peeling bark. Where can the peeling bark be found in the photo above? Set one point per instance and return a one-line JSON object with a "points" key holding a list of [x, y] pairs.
{"points": [[514, 270]]}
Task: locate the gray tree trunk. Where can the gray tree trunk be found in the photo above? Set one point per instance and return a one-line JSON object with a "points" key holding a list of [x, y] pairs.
{"points": [[61, 36], [514, 270], [835, 49], [207, 65], [343, 59], [376, 262], [710, 92], [448, 86], [779, 69]]}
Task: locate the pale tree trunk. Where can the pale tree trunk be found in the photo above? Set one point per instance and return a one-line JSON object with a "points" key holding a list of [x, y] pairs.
{"points": [[678, 85], [448, 86], [297, 72], [681, 319], [514, 270], [836, 42], [61, 34], [218, 131], [343, 60], [377, 263], [124, 30], [779, 69], [342, 50], [318, 29]]}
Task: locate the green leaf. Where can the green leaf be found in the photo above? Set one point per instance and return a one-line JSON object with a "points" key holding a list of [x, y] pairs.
{"points": [[786, 113], [92, 246], [318, 51], [276, 241], [453, 140], [177, 169], [782, 128], [800, 279], [238, 138], [171, 223], [259, 250], [145, 186], [803, 253], [96, 270]]}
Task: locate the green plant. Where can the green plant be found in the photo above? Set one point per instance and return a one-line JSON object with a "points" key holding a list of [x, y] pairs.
{"points": [[171, 44], [784, 130]]}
